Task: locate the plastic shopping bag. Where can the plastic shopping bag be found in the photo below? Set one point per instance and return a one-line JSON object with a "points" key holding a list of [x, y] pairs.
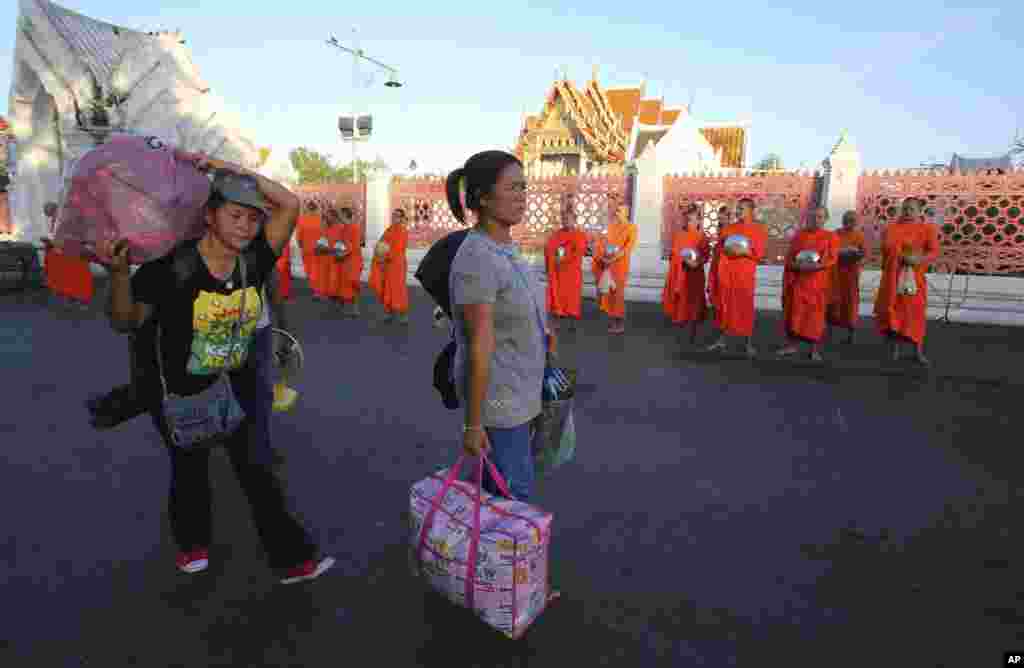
{"points": [[134, 188], [554, 438]]}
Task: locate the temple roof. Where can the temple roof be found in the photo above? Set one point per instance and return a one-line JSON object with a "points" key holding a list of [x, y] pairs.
{"points": [[648, 135], [732, 141], [624, 103], [669, 116], [606, 118], [649, 112]]}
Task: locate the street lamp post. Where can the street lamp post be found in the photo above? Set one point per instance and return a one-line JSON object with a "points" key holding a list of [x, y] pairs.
{"points": [[360, 127]]}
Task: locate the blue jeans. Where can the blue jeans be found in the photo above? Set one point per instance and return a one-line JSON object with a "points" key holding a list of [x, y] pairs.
{"points": [[254, 387], [510, 452]]}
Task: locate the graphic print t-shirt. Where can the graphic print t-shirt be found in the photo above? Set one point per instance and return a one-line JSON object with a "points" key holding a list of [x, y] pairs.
{"points": [[197, 319]]}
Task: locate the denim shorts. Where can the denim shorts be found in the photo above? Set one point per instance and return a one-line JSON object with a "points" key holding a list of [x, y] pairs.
{"points": [[510, 452]]}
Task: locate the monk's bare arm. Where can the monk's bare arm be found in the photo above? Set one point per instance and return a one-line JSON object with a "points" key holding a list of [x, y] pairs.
{"points": [[479, 329]]}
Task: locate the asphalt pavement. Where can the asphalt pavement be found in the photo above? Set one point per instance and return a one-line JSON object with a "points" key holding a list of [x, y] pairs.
{"points": [[720, 512]]}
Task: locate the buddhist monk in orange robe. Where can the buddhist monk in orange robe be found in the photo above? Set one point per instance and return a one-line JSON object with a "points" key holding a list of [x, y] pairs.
{"points": [[565, 271], [389, 271], [324, 261], [311, 227], [623, 234], [844, 309], [735, 280], [806, 286], [67, 276], [683, 298], [346, 271], [724, 220], [908, 242], [284, 272]]}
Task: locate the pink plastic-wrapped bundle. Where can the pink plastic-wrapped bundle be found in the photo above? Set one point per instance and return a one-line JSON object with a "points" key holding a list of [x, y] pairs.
{"points": [[133, 188], [485, 553]]}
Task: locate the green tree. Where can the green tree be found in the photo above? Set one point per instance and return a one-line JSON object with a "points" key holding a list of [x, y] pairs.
{"points": [[769, 162], [314, 167], [365, 167]]}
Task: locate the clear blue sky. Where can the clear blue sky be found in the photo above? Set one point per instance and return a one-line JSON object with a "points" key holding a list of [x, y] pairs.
{"points": [[910, 80]]}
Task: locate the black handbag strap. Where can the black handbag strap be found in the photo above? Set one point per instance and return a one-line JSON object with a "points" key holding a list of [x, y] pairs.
{"points": [[236, 331]]}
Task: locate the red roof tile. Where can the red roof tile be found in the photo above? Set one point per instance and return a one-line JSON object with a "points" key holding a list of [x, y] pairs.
{"points": [[649, 112], [669, 116], [624, 103]]}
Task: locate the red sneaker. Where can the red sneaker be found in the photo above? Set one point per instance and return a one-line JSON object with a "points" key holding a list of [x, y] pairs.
{"points": [[307, 571], [194, 561]]}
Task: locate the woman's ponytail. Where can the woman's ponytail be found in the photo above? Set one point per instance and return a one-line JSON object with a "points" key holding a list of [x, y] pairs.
{"points": [[452, 188], [477, 177]]}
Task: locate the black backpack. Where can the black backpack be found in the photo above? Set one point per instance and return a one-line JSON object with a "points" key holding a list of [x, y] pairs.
{"points": [[433, 275]]}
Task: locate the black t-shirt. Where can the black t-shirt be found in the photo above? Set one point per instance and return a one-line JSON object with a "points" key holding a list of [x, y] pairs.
{"points": [[196, 317]]}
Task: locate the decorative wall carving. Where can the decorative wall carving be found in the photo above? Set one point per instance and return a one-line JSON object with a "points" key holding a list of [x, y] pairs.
{"points": [[980, 215], [548, 199]]}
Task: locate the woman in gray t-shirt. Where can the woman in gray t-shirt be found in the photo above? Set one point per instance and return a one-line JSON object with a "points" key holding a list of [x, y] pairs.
{"points": [[499, 321]]}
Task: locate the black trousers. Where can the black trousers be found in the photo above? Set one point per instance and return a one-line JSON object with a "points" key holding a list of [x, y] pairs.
{"points": [[286, 543]]}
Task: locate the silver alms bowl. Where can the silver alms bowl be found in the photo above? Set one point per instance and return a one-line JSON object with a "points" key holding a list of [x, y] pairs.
{"points": [[737, 244]]}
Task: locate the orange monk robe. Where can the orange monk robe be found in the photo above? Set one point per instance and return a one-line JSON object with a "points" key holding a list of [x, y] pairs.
{"points": [[735, 280], [903, 315], [565, 277], [624, 236], [284, 272], [713, 293], [345, 274], [844, 306], [52, 267], [310, 230], [805, 294], [389, 276], [69, 276], [683, 297]]}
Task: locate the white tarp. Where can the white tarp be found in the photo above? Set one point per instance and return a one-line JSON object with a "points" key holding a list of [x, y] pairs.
{"points": [[60, 57]]}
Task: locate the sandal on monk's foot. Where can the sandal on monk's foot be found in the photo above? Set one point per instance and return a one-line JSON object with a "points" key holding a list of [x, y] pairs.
{"points": [[922, 360], [788, 351], [751, 352], [816, 356], [716, 347], [553, 595]]}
